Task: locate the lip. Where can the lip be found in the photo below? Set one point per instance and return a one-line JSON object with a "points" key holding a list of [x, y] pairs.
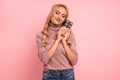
{"points": [[58, 20]]}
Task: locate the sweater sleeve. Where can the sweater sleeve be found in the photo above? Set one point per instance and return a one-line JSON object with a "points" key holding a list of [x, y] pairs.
{"points": [[42, 51], [73, 49]]}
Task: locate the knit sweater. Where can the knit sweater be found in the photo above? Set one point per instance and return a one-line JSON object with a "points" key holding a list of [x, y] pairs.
{"points": [[59, 61]]}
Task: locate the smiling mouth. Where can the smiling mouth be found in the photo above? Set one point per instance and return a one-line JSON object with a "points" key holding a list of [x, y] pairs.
{"points": [[58, 20]]}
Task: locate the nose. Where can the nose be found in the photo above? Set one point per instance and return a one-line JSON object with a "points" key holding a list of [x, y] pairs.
{"points": [[59, 16]]}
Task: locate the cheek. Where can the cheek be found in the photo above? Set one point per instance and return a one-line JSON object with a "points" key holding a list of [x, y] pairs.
{"points": [[55, 15], [52, 18]]}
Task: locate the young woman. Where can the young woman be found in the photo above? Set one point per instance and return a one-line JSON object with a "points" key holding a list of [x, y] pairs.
{"points": [[57, 46]]}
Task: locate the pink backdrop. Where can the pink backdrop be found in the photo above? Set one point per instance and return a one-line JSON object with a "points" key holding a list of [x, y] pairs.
{"points": [[96, 27]]}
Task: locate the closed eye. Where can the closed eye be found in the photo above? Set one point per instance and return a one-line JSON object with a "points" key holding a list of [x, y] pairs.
{"points": [[57, 12]]}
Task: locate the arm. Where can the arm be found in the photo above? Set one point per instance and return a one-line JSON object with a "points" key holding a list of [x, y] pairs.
{"points": [[44, 54], [53, 48], [70, 50]]}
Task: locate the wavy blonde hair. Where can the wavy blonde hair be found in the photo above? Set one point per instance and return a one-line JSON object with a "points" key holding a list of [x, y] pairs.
{"points": [[47, 23]]}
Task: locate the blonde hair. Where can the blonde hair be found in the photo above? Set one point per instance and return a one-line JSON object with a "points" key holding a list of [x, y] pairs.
{"points": [[46, 25]]}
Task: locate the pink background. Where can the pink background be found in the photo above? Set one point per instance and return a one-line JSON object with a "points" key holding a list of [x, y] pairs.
{"points": [[96, 27]]}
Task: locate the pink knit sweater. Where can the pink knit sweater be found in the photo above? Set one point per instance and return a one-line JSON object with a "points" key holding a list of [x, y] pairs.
{"points": [[59, 60]]}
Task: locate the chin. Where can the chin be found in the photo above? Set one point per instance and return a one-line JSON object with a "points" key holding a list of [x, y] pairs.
{"points": [[57, 23]]}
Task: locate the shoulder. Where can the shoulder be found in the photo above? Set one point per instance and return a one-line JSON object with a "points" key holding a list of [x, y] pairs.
{"points": [[39, 37]]}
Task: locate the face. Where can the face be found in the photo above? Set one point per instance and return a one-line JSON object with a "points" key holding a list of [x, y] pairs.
{"points": [[59, 16]]}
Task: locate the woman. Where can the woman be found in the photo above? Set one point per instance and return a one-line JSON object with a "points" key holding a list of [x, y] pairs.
{"points": [[57, 46]]}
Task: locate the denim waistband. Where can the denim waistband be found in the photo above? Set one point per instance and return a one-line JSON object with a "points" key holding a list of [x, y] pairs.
{"points": [[58, 72]]}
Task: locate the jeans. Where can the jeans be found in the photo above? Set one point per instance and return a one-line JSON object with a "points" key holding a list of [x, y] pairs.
{"points": [[58, 75]]}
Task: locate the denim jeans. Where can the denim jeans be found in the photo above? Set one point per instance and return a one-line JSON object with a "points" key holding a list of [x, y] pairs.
{"points": [[58, 75]]}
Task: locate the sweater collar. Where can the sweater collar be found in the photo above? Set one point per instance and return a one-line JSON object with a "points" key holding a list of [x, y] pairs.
{"points": [[53, 30], [54, 27]]}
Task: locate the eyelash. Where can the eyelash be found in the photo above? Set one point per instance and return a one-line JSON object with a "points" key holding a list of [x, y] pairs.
{"points": [[58, 13]]}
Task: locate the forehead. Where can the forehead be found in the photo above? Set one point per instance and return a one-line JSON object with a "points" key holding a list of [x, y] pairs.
{"points": [[61, 10]]}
